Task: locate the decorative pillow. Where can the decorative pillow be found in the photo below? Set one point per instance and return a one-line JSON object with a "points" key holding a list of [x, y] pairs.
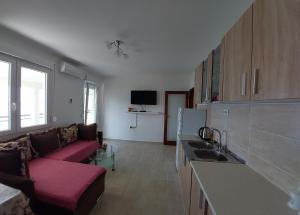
{"points": [[87, 132], [24, 141], [44, 143], [34, 152], [68, 134], [8, 149], [10, 162]]}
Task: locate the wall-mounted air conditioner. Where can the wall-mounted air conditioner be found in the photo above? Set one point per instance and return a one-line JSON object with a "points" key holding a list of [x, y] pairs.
{"points": [[69, 69]]}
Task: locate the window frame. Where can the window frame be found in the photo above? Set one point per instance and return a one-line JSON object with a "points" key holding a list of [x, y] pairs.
{"points": [[12, 93], [15, 94], [86, 88], [20, 64]]}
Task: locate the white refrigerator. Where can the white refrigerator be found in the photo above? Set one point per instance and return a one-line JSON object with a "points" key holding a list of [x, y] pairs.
{"points": [[188, 124]]}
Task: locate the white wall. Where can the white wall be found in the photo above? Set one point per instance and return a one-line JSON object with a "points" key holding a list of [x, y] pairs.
{"points": [[65, 87], [117, 99]]}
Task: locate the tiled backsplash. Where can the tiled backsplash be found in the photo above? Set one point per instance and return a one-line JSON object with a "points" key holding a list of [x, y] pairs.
{"points": [[267, 136]]}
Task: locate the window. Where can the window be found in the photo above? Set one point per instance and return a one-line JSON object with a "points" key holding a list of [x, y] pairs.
{"points": [[5, 70], [90, 103], [33, 97], [24, 95]]}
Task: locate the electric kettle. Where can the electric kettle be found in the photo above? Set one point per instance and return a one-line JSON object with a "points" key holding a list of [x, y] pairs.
{"points": [[205, 133]]}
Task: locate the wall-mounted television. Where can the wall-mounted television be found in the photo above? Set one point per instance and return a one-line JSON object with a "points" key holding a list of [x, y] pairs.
{"points": [[143, 97]]}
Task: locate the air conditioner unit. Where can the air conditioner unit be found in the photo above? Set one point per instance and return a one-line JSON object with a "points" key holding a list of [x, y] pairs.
{"points": [[69, 69]]}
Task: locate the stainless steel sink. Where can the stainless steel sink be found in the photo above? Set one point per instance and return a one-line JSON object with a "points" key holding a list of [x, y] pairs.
{"points": [[201, 145], [210, 155]]}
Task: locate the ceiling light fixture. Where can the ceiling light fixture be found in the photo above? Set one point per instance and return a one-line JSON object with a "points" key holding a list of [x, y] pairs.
{"points": [[118, 50]]}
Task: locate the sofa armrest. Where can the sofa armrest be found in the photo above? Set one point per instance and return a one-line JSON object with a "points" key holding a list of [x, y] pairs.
{"points": [[26, 185]]}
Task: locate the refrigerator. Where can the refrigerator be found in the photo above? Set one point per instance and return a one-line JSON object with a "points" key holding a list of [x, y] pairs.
{"points": [[189, 122]]}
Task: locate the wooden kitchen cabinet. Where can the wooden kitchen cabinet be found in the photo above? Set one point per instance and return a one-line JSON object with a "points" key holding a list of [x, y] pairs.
{"points": [[276, 49], [206, 79], [198, 85], [207, 210], [217, 74], [185, 172], [197, 198], [237, 60]]}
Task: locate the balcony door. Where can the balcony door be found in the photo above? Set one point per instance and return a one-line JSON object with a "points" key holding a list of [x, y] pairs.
{"points": [[173, 101]]}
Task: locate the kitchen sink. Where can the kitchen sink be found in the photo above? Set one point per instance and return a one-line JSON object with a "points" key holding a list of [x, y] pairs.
{"points": [[201, 145], [210, 155]]}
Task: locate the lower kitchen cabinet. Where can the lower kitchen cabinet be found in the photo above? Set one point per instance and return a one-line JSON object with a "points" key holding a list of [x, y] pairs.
{"points": [[197, 198], [185, 172]]}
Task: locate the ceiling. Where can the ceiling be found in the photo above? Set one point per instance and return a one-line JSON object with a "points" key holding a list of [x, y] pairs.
{"points": [[161, 36]]}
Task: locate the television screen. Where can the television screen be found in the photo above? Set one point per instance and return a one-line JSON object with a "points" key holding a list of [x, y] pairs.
{"points": [[143, 97]]}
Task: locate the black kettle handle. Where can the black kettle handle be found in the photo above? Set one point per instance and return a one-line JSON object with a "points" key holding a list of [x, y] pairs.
{"points": [[201, 132]]}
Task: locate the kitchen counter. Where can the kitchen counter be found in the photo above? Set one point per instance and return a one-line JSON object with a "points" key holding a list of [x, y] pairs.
{"points": [[235, 189], [189, 137]]}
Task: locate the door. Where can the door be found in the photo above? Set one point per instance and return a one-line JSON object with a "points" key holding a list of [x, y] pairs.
{"points": [[276, 45], [173, 101], [191, 98], [90, 103], [237, 60]]}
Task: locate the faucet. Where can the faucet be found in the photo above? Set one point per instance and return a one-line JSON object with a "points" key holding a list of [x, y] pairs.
{"points": [[220, 138]]}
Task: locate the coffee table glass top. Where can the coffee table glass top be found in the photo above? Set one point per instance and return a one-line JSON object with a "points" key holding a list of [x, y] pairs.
{"points": [[106, 158]]}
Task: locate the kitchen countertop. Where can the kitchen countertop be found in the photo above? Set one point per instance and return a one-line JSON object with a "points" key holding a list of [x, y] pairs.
{"points": [[235, 189], [184, 137]]}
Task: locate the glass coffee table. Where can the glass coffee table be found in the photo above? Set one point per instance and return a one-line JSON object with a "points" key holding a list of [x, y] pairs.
{"points": [[105, 158]]}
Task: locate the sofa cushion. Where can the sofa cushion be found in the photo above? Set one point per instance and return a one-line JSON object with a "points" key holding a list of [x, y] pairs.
{"points": [[11, 147], [45, 143], [10, 162], [23, 141], [68, 134], [87, 132], [75, 152], [62, 183]]}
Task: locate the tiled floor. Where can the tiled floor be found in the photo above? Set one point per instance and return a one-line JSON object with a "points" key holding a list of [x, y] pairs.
{"points": [[145, 181]]}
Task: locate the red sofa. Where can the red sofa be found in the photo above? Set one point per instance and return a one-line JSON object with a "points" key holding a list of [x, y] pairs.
{"points": [[63, 184]]}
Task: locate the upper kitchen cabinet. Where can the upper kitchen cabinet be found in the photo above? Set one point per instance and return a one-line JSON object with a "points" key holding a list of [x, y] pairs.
{"points": [[237, 60], [276, 49], [198, 85], [217, 74], [207, 79]]}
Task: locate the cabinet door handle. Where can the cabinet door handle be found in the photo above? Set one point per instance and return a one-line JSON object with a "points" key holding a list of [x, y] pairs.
{"points": [[244, 84], [207, 94], [184, 161], [255, 81]]}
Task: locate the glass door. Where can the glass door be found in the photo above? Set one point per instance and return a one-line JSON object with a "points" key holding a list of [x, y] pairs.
{"points": [[204, 91], [216, 74], [90, 103]]}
